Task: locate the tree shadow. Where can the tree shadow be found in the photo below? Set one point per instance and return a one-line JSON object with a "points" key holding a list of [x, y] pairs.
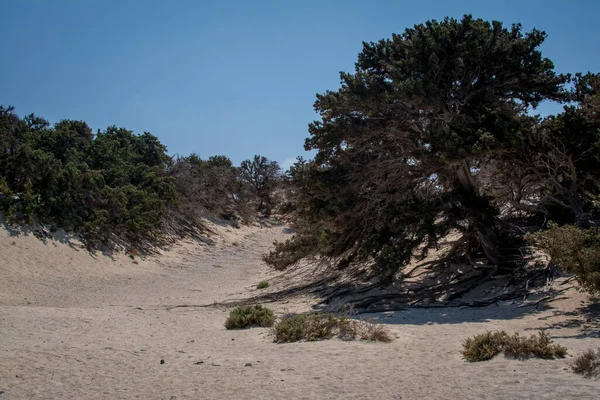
{"points": [[396, 310], [42, 233], [46, 236], [586, 319], [453, 315]]}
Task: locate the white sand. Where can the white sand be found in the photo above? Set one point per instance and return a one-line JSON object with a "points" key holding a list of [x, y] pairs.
{"points": [[77, 327]]}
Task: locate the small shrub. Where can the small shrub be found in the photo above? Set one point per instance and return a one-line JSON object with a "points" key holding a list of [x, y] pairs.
{"points": [[262, 285], [373, 332], [487, 345], [247, 316], [309, 328], [587, 364], [326, 326], [539, 346], [484, 346]]}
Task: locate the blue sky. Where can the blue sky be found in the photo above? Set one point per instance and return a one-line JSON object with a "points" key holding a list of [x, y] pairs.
{"points": [[229, 77]]}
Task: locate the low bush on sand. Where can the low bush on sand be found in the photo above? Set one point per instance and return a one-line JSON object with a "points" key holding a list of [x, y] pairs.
{"points": [[487, 345], [248, 316], [262, 285], [539, 346], [577, 251], [483, 347], [327, 326], [587, 364]]}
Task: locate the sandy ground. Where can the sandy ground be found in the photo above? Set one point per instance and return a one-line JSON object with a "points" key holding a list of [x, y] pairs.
{"points": [[73, 326]]}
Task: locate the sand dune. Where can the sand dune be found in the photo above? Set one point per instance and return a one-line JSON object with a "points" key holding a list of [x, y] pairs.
{"points": [[73, 326]]}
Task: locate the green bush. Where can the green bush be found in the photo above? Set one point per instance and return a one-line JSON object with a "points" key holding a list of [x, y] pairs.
{"points": [[486, 346], [326, 326], [113, 184], [262, 285], [539, 346], [577, 251], [248, 316], [587, 364]]}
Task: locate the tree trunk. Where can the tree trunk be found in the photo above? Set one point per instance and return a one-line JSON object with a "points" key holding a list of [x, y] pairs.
{"points": [[261, 204], [581, 217], [481, 222], [268, 205]]}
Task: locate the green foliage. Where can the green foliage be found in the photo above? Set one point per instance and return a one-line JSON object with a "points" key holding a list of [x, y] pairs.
{"points": [[112, 184], [575, 250], [29, 203], [326, 326], [247, 316], [587, 364], [486, 346], [262, 285]]}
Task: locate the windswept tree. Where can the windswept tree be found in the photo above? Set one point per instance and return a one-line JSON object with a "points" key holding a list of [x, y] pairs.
{"points": [[262, 175], [400, 143], [209, 186]]}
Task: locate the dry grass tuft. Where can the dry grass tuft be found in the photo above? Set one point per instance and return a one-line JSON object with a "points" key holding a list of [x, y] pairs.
{"points": [[327, 326], [587, 364], [372, 332], [487, 345], [262, 285]]}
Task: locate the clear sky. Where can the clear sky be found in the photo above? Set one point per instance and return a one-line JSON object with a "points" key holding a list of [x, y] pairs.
{"points": [[229, 77]]}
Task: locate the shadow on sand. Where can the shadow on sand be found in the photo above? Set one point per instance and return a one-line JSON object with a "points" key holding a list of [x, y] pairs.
{"points": [[586, 319]]}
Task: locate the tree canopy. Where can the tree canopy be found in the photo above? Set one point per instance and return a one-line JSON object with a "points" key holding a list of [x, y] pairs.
{"points": [[403, 144]]}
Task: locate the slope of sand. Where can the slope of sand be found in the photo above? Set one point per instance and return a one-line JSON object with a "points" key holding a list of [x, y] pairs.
{"points": [[73, 326]]}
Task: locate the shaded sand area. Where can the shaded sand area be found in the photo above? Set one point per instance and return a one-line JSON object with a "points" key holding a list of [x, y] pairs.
{"points": [[73, 326]]}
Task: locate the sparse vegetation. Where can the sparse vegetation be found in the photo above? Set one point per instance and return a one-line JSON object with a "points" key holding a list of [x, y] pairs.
{"points": [[262, 285], [587, 364], [487, 345], [326, 326], [248, 316]]}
